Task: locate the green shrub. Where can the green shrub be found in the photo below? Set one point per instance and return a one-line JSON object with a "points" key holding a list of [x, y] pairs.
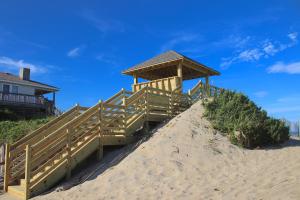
{"points": [[247, 125], [11, 131]]}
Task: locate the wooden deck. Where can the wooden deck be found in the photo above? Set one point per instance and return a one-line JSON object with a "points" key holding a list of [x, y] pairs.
{"points": [[42, 158]]}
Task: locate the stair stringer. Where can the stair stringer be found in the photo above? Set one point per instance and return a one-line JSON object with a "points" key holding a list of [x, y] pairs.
{"points": [[58, 173]]}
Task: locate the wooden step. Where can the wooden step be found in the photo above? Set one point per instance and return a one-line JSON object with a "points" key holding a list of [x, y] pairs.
{"points": [[17, 191], [22, 182]]}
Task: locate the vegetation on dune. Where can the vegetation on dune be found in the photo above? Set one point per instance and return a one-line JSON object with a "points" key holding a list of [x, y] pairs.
{"points": [[14, 126], [246, 124]]}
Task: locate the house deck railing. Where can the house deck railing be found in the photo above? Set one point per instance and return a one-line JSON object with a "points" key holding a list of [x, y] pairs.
{"points": [[23, 99]]}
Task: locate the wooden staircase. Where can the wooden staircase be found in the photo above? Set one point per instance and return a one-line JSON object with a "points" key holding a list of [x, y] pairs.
{"points": [[38, 161]]}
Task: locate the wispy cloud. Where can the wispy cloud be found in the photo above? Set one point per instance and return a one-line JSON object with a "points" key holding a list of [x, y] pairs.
{"points": [[281, 67], [265, 49], [233, 41], [74, 52], [101, 24], [179, 39], [14, 65], [284, 109], [108, 58], [287, 106], [260, 94], [7, 37]]}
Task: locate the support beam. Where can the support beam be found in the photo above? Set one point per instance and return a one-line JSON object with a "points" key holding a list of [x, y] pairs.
{"points": [[53, 98], [207, 85], [179, 73], [135, 79], [179, 70]]}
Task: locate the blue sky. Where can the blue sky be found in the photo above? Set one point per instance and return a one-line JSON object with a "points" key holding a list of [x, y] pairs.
{"points": [[82, 46]]}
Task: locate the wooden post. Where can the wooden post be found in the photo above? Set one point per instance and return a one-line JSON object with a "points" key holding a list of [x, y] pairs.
{"points": [[207, 86], [124, 119], [135, 79], [69, 141], [171, 104], [179, 74], [100, 146], [190, 96], [53, 98], [27, 171], [147, 103], [7, 167]]}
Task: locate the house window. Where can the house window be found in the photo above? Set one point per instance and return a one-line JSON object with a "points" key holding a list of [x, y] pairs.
{"points": [[6, 88], [15, 89]]}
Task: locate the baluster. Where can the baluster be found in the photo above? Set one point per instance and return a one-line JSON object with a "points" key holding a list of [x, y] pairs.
{"points": [[7, 167], [28, 171], [100, 147], [69, 141]]}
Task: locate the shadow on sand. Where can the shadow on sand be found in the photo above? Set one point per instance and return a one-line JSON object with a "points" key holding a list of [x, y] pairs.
{"points": [[91, 168], [292, 142]]}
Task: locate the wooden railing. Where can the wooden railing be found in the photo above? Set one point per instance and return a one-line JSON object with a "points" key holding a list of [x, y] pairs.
{"points": [[23, 98], [166, 84], [121, 114], [16, 157]]}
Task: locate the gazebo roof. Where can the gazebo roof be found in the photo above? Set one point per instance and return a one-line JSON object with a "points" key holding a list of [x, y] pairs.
{"points": [[165, 65]]}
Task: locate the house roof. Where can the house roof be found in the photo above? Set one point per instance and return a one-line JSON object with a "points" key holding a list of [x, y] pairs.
{"points": [[165, 65], [10, 78]]}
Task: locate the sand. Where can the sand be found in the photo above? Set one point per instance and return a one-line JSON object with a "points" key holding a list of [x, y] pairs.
{"points": [[187, 159]]}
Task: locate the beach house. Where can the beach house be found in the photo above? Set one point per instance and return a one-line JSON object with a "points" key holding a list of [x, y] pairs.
{"points": [[23, 95]]}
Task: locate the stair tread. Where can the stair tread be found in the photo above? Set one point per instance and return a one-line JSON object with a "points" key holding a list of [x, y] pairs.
{"points": [[16, 190]]}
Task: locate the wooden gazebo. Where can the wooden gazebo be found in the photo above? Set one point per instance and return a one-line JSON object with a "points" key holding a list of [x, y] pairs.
{"points": [[168, 70]]}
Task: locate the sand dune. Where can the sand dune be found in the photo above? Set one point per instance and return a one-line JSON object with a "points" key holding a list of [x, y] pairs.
{"points": [[187, 159]]}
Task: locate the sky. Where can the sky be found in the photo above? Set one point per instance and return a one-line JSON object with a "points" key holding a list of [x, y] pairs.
{"points": [[82, 46]]}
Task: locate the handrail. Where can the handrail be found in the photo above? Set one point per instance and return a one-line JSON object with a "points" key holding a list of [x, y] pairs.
{"points": [[17, 150], [196, 87], [37, 131], [69, 124]]}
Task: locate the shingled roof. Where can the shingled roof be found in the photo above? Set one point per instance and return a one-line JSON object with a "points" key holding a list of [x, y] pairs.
{"points": [[10, 78], [164, 65]]}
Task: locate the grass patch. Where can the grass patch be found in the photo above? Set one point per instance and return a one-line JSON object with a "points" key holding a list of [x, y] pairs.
{"points": [[11, 131], [246, 124], [14, 126]]}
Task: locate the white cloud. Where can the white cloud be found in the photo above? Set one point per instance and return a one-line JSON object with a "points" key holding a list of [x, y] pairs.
{"points": [[263, 50], [107, 58], [280, 67], [103, 25], [13, 65], [293, 36], [250, 55], [270, 49], [74, 52], [261, 94], [178, 39], [233, 41]]}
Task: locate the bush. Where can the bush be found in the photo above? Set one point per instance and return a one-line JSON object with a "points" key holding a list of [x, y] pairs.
{"points": [[11, 131], [247, 125]]}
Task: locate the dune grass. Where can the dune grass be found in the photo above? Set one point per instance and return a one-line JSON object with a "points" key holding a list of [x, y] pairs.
{"points": [[246, 124], [14, 126]]}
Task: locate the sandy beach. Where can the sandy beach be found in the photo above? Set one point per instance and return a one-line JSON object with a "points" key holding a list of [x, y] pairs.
{"points": [[187, 159]]}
